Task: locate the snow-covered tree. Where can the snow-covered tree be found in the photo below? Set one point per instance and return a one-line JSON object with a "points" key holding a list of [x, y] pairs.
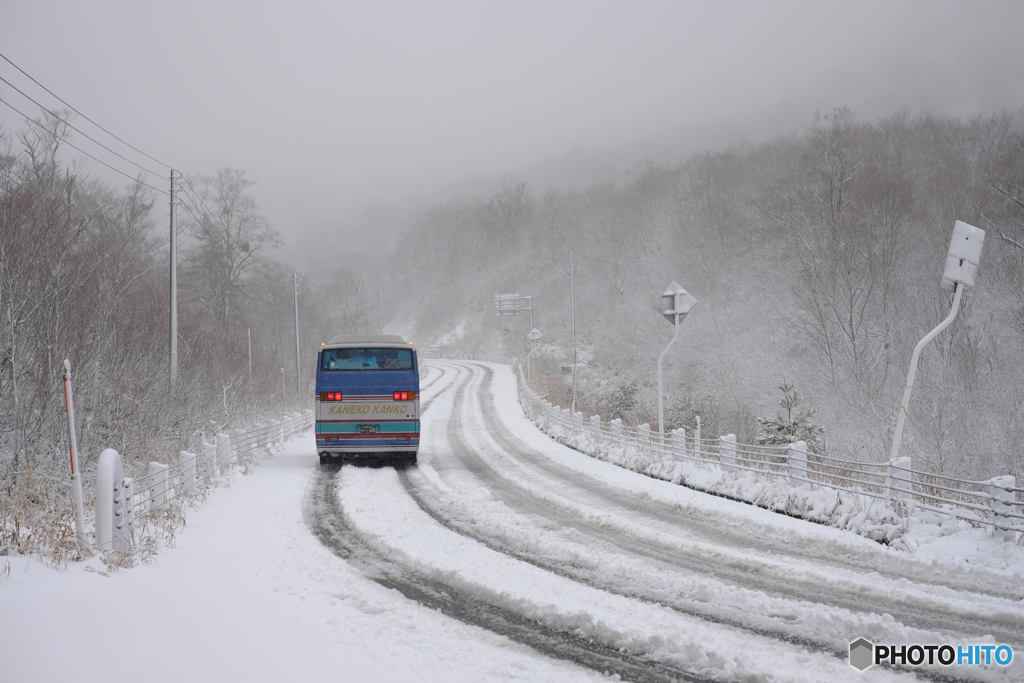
{"points": [[794, 425]]}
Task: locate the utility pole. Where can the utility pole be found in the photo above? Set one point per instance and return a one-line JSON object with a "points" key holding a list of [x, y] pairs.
{"points": [[298, 367], [572, 308], [174, 285], [355, 308]]}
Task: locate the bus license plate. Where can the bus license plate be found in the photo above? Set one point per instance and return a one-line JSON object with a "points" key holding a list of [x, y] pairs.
{"points": [[367, 429]]}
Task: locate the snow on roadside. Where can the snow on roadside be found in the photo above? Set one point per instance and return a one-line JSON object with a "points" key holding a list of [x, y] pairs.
{"points": [[922, 532], [247, 593]]}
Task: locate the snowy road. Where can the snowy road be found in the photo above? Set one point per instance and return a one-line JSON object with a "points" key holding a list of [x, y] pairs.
{"points": [[676, 582], [502, 556]]}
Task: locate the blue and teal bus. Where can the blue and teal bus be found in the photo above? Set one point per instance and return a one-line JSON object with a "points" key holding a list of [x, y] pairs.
{"points": [[367, 398]]}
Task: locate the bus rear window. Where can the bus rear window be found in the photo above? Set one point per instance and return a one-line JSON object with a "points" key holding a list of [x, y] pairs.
{"points": [[366, 359]]}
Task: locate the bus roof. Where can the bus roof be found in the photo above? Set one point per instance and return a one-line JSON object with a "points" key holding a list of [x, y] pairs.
{"points": [[367, 340]]}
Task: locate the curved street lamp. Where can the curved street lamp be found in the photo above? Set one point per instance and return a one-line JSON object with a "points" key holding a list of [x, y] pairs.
{"points": [[959, 272]]}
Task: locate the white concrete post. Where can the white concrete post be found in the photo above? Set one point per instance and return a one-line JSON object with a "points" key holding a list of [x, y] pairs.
{"points": [[274, 438], [696, 440], [207, 456], [223, 453], [595, 430], [727, 452], [187, 471], [643, 437], [898, 479], [577, 422], [615, 427], [111, 531], [158, 486], [237, 446], [1002, 501], [797, 464], [678, 444]]}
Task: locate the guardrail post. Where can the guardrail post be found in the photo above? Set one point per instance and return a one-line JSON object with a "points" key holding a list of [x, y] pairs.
{"points": [[678, 440], [898, 479], [223, 453], [187, 471], [158, 486], [595, 431], [240, 445], [274, 437], [129, 509], [643, 437], [577, 422], [207, 454], [615, 427], [1002, 500], [797, 464], [111, 530], [696, 439], [727, 452]]}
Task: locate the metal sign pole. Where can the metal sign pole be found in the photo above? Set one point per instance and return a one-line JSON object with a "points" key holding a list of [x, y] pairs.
{"points": [[661, 402], [675, 303]]}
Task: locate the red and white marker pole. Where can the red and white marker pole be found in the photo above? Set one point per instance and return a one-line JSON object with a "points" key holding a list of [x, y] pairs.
{"points": [[76, 480]]}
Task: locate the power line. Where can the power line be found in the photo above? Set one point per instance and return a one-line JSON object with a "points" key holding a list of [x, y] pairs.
{"points": [[324, 297], [82, 115], [73, 146], [72, 127]]}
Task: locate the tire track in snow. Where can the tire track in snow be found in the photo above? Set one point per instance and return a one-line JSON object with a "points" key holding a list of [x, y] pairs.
{"points": [[767, 581], [326, 517]]}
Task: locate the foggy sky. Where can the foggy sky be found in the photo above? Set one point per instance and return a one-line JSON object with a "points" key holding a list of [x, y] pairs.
{"points": [[330, 105]]}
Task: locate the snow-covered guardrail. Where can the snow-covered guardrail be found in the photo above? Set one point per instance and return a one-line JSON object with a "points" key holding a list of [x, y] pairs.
{"points": [[896, 484], [120, 501], [157, 489]]}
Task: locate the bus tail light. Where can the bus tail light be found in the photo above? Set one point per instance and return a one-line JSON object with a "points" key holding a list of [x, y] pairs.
{"points": [[405, 396], [330, 395]]}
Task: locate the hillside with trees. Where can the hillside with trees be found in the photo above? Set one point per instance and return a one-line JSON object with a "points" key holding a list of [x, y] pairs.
{"points": [[815, 258]]}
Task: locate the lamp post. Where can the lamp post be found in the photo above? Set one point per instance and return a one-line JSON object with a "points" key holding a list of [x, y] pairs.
{"points": [[959, 272], [674, 303]]}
